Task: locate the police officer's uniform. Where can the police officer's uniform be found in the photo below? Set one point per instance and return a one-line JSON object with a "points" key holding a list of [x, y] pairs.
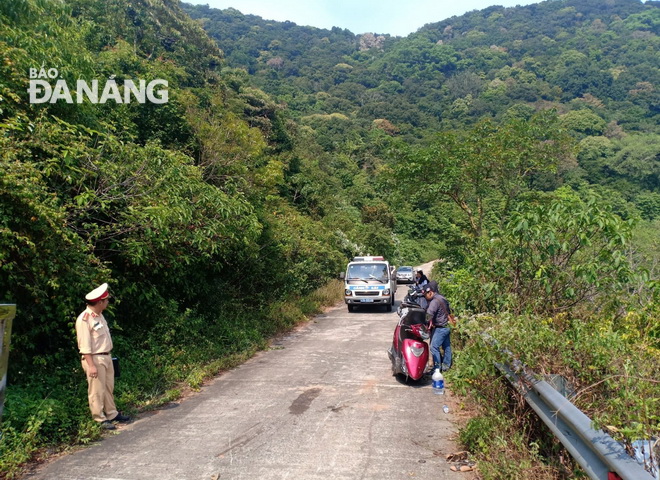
{"points": [[94, 340]]}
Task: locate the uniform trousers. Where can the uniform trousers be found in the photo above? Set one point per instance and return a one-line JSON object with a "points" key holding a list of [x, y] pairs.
{"points": [[100, 390]]}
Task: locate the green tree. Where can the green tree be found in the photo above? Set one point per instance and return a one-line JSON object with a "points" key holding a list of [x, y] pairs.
{"points": [[584, 122], [638, 160], [44, 264], [551, 256], [593, 153], [485, 169]]}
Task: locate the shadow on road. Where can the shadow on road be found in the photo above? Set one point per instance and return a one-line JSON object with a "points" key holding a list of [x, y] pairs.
{"points": [[425, 381]]}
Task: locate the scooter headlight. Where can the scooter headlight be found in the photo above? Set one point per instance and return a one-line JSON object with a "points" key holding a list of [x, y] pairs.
{"points": [[417, 349]]}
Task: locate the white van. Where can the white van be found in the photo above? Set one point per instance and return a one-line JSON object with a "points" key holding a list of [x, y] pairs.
{"points": [[369, 281]]}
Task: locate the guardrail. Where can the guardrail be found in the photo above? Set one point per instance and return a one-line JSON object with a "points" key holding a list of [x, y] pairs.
{"points": [[7, 314], [599, 455]]}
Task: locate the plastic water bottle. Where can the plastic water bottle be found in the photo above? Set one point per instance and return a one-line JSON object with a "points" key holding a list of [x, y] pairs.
{"points": [[438, 382], [445, 408]]}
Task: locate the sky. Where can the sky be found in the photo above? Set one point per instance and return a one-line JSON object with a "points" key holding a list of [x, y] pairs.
{"points": [[396, 17]]}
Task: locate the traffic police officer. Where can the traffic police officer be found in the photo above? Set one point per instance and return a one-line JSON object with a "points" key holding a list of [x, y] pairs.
{"points": [[95, 345]]}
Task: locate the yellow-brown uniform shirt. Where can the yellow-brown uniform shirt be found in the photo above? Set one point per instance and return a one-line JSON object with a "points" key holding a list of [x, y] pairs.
{"points": [[93, 333]]}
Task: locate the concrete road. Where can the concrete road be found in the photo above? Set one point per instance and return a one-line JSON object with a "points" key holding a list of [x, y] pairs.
{"points": [[320, 404]]}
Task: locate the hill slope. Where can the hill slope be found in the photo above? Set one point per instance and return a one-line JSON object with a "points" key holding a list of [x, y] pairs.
{"points": [[595, 63], [460, 69]]}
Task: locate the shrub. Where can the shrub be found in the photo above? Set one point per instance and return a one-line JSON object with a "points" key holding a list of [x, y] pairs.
{"points": [[613, 374]]}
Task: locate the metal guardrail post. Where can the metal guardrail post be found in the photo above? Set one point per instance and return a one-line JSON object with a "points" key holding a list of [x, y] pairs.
{"points": [[596, 452], [7, 314]]}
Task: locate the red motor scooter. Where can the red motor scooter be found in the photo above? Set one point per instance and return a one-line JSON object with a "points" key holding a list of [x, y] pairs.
{"points": [[409, 353]]}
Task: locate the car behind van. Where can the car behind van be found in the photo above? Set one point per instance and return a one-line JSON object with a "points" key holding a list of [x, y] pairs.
{"points": [[405, 274]]}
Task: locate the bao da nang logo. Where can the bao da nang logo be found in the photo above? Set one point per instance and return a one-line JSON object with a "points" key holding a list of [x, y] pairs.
{"points": [[46, 86]]}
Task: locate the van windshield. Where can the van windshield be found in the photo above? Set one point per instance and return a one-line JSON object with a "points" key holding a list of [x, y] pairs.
{"points": [[368, 271]]}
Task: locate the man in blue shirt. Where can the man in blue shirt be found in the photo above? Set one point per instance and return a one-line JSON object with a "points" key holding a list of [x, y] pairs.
{"points": [[437, 313]]}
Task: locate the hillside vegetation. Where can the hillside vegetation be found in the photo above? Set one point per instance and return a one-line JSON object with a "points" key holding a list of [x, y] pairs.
{"points": [[594, 63], [520, 145]]}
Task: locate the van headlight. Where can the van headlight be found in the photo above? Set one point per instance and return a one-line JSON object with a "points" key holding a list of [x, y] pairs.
{"points": [[386, 292], [348, 293]]}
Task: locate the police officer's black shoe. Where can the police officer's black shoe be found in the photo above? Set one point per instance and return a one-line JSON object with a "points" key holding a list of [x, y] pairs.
{"points": [[107, 425], [121, 418]]}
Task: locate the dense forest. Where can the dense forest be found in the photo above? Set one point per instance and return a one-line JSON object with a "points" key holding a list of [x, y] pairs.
{"points": [[519, 145], [544, 55]]}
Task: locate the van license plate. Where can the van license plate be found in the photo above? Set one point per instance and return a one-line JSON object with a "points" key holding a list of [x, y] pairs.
{"points": [[367, 300]]}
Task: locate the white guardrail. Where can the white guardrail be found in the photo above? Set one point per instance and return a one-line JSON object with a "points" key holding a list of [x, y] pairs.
{"points": [[600, 456]]}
